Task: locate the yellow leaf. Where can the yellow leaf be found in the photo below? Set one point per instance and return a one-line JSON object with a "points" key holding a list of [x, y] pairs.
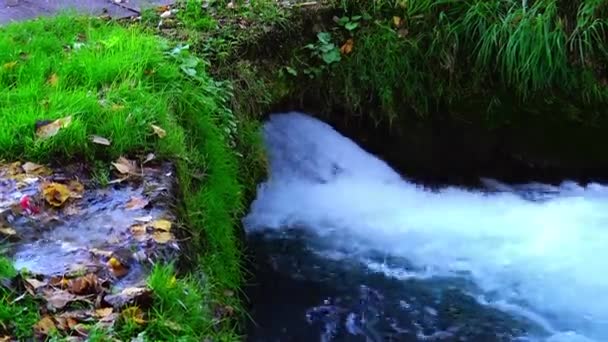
{"points": [[48, 130], [9, 65], [397, 21], [125, 166], [103, 312], [347, 47], [117, 268], [55, 194], [96, 139], [45, 326], [134, 314], [164, 225], [53, 80], [162, 237], [159, 131], [7, 231], [116, 107]]}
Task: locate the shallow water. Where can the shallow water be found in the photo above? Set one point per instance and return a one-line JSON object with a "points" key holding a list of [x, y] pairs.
{"points": [[351, 251]]}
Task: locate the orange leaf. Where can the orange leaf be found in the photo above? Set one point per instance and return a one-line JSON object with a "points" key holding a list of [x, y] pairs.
{"points": [[56, 194], [45, 326], [347, 47]]}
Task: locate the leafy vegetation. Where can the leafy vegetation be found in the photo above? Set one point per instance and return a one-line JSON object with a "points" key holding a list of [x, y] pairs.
{"points": [[115, 83]]}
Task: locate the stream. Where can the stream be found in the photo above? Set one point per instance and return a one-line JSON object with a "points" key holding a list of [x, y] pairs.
{"points": [[348, 250]]}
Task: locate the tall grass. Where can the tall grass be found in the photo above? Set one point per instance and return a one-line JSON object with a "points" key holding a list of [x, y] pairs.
{"points": [[453, 50]]}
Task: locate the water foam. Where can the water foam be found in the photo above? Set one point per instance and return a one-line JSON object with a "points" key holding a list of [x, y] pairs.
{"points": [[546, 256]]}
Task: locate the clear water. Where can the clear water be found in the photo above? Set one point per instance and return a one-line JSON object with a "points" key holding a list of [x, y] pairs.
{"points": [[378, 257]]}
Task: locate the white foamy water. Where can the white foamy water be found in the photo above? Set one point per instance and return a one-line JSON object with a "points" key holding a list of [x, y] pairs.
{"points": [[544, 259]]}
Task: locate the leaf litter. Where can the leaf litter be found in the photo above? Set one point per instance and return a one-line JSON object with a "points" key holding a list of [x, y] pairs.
{"points": [[86, 249]]}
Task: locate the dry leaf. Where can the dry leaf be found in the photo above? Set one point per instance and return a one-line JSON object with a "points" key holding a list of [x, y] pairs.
{"points": [[117, 268], [133, 313], [397, 21], [101, 313], [129, 296], [9, 65], [403, 32], [6, 339], [162, 224], [36, 169], [162, 237], [35, 283], [58, 299], [47, 130], [84, 285], [159, 131], [125, 166], [7, 231], [100, 252], [149, 158], [139, 232], [45, 326], [56, 194], [136, 203], [96, 139], [347, 47], [76, 189], [53, 80], [116, 107]]}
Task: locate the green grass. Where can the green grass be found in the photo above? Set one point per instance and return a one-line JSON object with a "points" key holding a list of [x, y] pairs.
{"points": [[450, 54], [115, 82]]}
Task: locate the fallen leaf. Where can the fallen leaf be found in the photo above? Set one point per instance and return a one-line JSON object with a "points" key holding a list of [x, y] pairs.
{"points": [[105, 312], [162, 237], [101, 252], [159, 131], [35, 283], [117, 268], [138, 231], [96, 139], [84, 285], [162, 224], [162, 8], [45, 326], [149, 158], [6, 339], [36, 169], [76, 188], [397, 21], [7, 231], [136, 203], [46, 130], [12, 169], [134, 314], [125, 166], [53, 80], [58, 299], [115, 107], [129, 296], [59, 281], [55, 194], [9, 65], [403, 32], [347, 47]]}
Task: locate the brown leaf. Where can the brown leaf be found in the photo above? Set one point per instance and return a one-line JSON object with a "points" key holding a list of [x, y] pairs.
{"points": [[125, 166], [47, 130], [138, 231], [347, 47], [6, 339], [58, 299], [403, 32], [53, 80], [164, 225], [36, 169], [34, 283], [136, 203], [55, 193], [159, 131], [129, 296], [104, 312], [9, 65], [162, 237], [84, 285], [45, 326], [76, 189], [59, 281], [96, 139], [134, 314]]}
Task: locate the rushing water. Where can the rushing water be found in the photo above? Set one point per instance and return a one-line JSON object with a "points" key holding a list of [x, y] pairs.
{"points": [[350, 251]]}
